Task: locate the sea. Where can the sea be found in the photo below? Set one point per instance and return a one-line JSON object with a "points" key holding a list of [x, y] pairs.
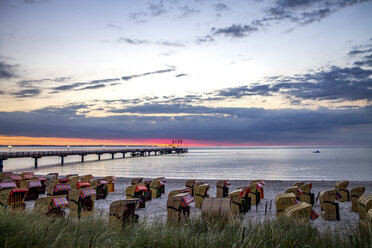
{"points": [[233, 163]]}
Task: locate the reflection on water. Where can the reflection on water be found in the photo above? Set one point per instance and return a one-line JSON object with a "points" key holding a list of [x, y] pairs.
{"points": [[274, 163]]}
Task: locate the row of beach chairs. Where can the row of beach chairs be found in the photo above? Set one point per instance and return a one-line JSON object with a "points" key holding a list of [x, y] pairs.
{"points": [[297, 201], [79, 192]]}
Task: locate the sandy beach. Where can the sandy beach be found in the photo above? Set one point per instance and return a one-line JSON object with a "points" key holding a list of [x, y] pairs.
{"points": [[156, 208]]}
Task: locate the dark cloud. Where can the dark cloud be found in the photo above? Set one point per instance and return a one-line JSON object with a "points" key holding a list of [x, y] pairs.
{"points": [[181, 75], [334, 84], [133, 41], [305, 11], [300, 12], [157, 9], [97, 86], [205, 39], [235, 30], [356, 51], [168, 43], [221, 7], [239, 125], [126, 78], [27, 93], [7, 71], [142, 42], [186, 11], [32, 83], [94, 84]]}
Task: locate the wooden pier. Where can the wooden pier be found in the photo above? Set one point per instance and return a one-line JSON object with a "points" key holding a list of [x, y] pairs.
{"points": [[134, 152]]}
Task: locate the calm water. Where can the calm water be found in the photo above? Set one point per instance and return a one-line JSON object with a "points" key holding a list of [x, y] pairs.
{"points": [[244, 163]]}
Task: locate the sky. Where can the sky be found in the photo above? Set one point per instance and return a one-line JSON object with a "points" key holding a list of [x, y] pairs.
{"points": [[238, 72]]}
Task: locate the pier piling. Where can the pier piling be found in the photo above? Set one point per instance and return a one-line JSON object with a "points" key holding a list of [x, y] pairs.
{"points": [[36, 163]]}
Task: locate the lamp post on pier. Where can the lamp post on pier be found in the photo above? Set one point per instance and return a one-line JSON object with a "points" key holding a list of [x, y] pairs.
{"points": [[9, 147], [68, 148]]}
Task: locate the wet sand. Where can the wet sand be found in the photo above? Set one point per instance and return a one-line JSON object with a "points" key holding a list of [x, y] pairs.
{"points": [[156, 208]]}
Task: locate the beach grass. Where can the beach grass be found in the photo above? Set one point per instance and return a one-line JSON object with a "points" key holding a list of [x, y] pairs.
{"points": [[33, 229]]}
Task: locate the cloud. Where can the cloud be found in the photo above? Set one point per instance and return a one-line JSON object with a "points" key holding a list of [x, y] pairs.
{"points": [[238, 125], [221, 7], [186, 11], [97, 86], [300, 12], [94, 84], [334, 84], [181, 75], [133, 41], [7, 71], [357, 51], [127, 78], [27, 93], [142, 42], [235, 30], [157, 9], [204, 39]]}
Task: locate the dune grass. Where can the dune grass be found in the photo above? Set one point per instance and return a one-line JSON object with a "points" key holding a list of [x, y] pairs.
{"points": [[32, 229]]}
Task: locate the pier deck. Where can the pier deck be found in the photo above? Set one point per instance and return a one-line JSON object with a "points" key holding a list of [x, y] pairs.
{"points": [[62, 154]]}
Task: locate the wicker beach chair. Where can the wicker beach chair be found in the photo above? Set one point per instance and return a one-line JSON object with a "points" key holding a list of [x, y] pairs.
{"points": [[200, 192], [81, 202], [222, 188], [190, 184], [283, 201], [179, 191], [56, 188], [148, 195], [27, 175], [16, 178], [52, 205], [136, 181], [110, 183], [330, 209], [300, 211], [156, 188], [137, 192], [255, 192], [100, 185], [11, 196], [305, 194], [123, 212], [342, 194], [240, 200], [295, 190], [355, 194], [369, 216], [298, 184], [217, 208], [162, 187], [258, 186], [86, 178], [34, 187], [365, 205], [178, 207], [43, 182]]}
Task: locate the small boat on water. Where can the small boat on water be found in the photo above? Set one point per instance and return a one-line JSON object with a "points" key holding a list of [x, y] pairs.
{"points": [[316, 151]]}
